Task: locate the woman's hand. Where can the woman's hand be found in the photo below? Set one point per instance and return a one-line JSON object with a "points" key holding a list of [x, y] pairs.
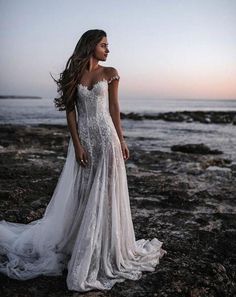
{"points": [[81, 155], [125, 150]]}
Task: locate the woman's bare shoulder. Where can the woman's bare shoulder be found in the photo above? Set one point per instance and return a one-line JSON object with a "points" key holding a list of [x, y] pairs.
{"points": [[110, 71]]}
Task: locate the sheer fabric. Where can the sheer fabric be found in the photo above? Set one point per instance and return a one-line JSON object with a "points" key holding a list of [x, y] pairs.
{"points": [[87, 226]]}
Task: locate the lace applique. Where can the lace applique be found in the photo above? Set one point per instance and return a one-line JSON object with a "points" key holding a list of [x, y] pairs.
{"points": [[113, 77]]}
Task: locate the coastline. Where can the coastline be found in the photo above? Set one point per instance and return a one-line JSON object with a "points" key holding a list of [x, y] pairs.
{"points": [[186, 200], [20, 97], [36, 116], [206, 117]]}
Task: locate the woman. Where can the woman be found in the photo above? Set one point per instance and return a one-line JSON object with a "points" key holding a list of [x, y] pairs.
{"points": [[87, 226]]}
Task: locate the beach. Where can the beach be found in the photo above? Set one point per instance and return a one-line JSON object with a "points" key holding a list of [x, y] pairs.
{"points": [[168, 69], [181, 192]]}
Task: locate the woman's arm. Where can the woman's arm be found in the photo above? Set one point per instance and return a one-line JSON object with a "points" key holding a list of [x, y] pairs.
{"points": [[80, 153], [114, 110], [72, 125], [114, 107]]}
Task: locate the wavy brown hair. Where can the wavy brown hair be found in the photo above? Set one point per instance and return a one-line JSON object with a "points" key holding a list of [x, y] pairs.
{"points": [[75, 67]]}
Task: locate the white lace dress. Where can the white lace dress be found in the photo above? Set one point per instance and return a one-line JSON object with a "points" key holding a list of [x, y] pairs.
{"points": [[87, 226]]}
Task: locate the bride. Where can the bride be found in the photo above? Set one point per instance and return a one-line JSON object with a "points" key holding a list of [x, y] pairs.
{"points": [[87, 227]]}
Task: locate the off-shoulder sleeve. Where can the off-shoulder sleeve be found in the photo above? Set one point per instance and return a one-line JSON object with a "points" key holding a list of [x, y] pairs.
{"points": [[114, 75]]}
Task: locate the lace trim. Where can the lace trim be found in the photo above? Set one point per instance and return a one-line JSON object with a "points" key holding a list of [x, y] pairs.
{"points": [[113, 77]]}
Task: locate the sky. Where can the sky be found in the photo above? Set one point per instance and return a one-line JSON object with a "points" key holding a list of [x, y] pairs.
{"points": [[164, 49]]}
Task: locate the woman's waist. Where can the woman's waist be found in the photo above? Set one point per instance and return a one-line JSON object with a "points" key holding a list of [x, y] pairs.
{"points": [[94, 117], [97, 130]]}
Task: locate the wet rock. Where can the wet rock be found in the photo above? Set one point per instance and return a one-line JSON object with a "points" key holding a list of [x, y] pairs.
{"points": [[213, 168], [131, 115], [192, 148], [216, 162], [185, 200], [234, 120], [233, 166], [216, 117], [36, 204], [4, 195]]}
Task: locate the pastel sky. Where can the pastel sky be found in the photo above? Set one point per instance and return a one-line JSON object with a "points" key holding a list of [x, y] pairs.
{"points": [[161, 48]]}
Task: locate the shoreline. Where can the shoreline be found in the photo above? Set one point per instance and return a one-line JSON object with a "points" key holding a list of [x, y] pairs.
{"points": [[186, 200], [198, 116], [206, 117]]}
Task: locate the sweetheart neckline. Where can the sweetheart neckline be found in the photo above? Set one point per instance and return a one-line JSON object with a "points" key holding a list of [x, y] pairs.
{"points": [[86, 87]]}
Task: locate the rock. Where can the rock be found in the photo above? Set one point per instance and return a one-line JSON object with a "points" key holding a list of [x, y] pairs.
{"points": [[233, 166], [215, 162], [132, 168], [172, 197], [200, 148], [213, 168], [4, 195], [234, 120], [131, 115], [206, 117], [36, 204]]}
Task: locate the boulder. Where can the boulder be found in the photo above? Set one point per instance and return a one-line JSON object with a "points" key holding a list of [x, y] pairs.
{"points": [[195, 148]]}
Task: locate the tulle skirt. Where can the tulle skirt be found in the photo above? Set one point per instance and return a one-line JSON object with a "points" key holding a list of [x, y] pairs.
{"points": [[87, 229]]}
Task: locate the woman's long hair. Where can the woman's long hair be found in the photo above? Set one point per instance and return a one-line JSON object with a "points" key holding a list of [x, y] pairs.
{"points": [[75, 67]]}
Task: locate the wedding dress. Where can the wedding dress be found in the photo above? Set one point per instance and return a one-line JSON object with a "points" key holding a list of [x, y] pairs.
{"points": [[87, 226]]}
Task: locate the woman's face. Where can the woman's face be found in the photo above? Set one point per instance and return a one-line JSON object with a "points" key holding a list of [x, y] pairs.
{"points": [[101, 50]]}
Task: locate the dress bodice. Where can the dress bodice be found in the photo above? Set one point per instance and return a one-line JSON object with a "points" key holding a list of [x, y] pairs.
{"points": [[95, 124], [93, 102]]}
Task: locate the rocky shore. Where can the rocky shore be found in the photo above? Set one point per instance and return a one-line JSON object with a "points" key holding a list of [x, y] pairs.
{"points": [[207, 117], [185, 198]]}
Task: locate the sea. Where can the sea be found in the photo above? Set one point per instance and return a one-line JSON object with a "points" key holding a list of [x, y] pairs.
{"points": [[144, 134]]}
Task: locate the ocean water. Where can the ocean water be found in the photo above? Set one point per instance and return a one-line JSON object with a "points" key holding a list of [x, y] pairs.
{"points": [[159, 135], [34, 111], [165, 105]]}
